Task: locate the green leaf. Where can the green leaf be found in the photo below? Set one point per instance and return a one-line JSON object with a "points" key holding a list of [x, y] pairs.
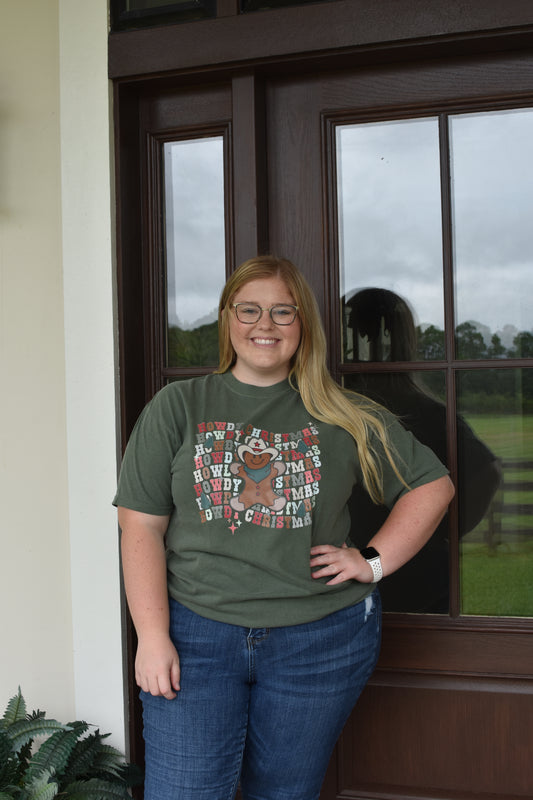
{"points": [[24, 730], [79, 726], [95, 789], [9, 763], [66, 757], [109, 760], [15, 711], [83, 756], [41, 788], [53, 755]]}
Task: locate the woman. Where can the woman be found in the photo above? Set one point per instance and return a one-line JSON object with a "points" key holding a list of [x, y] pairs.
{"points": [[257, 626]]}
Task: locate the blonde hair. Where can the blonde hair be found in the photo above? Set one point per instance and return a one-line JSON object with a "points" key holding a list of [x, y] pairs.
{"points": [[321, 396]]}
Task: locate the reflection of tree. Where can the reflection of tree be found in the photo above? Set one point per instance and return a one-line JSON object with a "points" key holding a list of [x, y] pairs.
{"points": [[523, 345], [488, 390], [195, 348], [430, 344], [378, 325], [469, 342], [496, 348]]}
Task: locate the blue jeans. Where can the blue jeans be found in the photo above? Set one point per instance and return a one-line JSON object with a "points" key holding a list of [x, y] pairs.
{"points": [[263, 706]]}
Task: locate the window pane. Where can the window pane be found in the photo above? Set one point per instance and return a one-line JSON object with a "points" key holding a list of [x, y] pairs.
{"points": [[492, 188], [131, 14], [422, 585], [261, 5], [389, 208], [195, 249], [497, 554]]}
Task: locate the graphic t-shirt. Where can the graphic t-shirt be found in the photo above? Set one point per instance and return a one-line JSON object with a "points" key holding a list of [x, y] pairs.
{"points": [[251, 482]]}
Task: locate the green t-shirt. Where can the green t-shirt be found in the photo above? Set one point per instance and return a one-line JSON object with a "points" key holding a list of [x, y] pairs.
{"points": [[251, 483]]}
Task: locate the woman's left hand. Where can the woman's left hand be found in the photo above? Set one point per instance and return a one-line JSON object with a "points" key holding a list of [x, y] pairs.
{"points": [[408, 527], [344, 563]]}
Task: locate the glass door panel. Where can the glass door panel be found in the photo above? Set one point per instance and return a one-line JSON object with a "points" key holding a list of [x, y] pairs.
{"points": [[389, 217], [195, 248], [392, 294], [492, 198], [418, 399], [497, 554]]}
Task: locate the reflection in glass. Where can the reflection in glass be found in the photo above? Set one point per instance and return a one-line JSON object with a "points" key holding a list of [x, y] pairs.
{"points": [[492, 196], [497, 555], [131, 14], [417, 399], [379, 325], [389, 207], [422, 585], [261, 5], [195, 248]]}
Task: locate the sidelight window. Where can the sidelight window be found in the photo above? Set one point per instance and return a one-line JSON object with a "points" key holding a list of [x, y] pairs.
{"points": [[195, 248]]}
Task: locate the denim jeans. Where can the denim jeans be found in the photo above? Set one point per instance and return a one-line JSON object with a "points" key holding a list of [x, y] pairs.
{"points": [[263, 706]]}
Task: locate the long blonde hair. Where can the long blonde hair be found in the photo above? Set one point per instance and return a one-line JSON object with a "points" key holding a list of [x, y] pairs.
{"points": [[321, 396]]}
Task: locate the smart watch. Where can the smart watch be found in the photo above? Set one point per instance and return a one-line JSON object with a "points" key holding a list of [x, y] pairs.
{"points": [[371, 555]]}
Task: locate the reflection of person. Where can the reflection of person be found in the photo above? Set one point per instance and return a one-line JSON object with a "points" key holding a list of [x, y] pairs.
{"points": [[383, 329], [232, 502]]}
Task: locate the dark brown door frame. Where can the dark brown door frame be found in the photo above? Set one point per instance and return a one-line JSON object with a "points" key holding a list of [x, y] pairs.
{"points": [[239, 50]]}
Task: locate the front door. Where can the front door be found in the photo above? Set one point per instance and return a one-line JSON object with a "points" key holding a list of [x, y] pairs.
{"points": [[404, 194]]}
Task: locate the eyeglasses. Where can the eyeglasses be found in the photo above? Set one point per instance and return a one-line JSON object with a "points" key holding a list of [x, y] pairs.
{"points": [[280, 314]]}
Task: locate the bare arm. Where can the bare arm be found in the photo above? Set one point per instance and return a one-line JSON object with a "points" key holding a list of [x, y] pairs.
{"points": [[410, 524], [157, 668]]}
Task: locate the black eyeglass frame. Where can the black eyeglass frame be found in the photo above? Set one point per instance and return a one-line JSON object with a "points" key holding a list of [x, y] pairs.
{"points": [[265, 308]]}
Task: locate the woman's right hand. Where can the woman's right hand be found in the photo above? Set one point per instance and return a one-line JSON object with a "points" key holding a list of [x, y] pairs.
{"points": [[157, 665]]}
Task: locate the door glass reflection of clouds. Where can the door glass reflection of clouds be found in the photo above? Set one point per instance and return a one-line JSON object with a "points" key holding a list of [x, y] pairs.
{"points": [[389, 207], [195, 248], [492, 196], [194, 221]]}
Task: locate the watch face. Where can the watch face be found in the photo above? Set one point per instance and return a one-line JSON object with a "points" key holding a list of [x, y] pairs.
{"points": [[369, 552]]}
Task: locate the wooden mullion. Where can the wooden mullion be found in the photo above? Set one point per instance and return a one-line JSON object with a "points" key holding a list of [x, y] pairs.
{"points": [[250, 201]]}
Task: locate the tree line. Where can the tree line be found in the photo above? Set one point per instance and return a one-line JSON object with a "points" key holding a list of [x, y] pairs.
{"points": [[493, 390]]}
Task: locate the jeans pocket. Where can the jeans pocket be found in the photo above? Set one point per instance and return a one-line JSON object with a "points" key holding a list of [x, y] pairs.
{"points": [[372, 605]]}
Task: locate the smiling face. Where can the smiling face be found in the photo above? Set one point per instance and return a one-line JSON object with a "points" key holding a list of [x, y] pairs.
{"points": [[264, 349], [256, 462]]}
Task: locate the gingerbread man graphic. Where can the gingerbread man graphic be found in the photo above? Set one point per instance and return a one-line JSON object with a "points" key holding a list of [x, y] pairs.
{"points": [[258, 466]]}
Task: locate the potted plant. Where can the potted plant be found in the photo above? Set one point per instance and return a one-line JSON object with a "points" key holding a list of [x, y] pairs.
{"points": [[69, 761]]}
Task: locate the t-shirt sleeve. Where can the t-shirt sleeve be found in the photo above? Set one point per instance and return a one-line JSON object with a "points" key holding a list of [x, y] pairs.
{"points": [[145, 476], [416, 463]]}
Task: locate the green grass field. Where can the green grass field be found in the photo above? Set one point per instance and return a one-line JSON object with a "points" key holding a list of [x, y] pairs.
{"points": [[509, 436], [498, 580]]}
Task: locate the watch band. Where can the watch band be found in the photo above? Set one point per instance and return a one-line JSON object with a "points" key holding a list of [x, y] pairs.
{"points": [[371, 555]]}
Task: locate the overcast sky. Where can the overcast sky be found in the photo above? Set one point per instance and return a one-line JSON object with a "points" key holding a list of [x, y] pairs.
{"points": [[194, 214], [389, 217], [390, 214]]}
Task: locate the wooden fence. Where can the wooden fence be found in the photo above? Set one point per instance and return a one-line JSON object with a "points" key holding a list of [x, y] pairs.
{"points": [[510, 515]]}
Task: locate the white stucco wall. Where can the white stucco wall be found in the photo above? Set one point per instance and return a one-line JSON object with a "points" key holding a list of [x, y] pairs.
{"points": [[88, 276], [35, 593], [59, 576]]}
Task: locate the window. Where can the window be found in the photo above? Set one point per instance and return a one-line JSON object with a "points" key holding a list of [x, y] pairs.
{"points": [[131, 14], [472, 333], [195, 249]]}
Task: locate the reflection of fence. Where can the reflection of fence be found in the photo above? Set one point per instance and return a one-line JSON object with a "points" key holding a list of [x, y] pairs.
{"points": [[511, 512]]}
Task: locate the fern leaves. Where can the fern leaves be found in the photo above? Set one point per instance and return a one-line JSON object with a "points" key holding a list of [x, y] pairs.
{"points": [[70, 762], [15, 711], [95, 789]]}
